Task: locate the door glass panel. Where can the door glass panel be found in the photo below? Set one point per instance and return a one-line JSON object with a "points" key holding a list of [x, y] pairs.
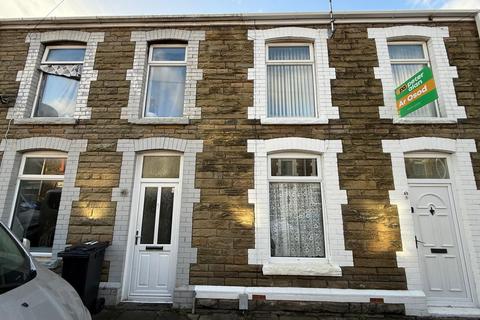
{"points": [[166, 211], [426, 168], [149, 210], [161, 167]]}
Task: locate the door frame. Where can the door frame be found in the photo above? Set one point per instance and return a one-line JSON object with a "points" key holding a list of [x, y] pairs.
{"points": [[458, 223], [132, 224]]}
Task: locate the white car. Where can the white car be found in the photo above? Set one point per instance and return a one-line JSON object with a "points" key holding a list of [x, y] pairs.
{"points": [[29, 291]]}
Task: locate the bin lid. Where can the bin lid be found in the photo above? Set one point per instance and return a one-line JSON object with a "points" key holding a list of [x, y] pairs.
{"points": [[84, 249]]}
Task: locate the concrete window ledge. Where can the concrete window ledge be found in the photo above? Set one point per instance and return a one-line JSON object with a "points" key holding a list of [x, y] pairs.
{"points": [[183, 120], [423, 120], [46, 121], [293, 121], [302, 269]]}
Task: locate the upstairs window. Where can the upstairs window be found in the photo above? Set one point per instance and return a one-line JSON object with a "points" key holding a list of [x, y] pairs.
{"points": [[296, 211], [61, 69], [167, 72], [407, 58], [290, 80], [39, 190]]}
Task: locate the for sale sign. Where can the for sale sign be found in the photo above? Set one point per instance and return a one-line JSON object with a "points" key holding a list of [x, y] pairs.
{"points": [[416, 92]]}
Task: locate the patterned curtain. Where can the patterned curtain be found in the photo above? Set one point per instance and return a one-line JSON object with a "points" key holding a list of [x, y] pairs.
{"points": [[73, 71], [296, 224]]}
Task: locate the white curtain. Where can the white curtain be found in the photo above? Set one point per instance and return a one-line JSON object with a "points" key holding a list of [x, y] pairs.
{"points": [[166, 91], [58, 97], [296, 223], [290, 91]]}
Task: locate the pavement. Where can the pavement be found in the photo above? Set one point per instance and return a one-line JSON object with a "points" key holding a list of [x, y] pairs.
{"points": [[162, 312]]}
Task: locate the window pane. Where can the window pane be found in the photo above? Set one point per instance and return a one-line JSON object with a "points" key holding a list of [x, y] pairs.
{"points": [[58, 97], [168, 54], [290, 91], [426, 168], [406, 51], [165, 220], [36, 210], [296, 222], [166, 91], [289, 53], [294, 167], [66, 55], [52, 166], [149, 211], [401, 73], [161, 167]]}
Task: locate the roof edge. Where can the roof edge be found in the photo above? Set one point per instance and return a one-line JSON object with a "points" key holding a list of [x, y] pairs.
{"points": [[242, 18]]}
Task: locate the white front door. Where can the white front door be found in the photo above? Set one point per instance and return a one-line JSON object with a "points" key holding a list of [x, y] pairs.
{"points": [[439, 247], [153, 265]]}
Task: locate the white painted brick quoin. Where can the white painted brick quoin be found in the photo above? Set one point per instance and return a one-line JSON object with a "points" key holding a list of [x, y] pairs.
{"points": [[9, 169], [334, 197], [130, 148], [30, 75], [138, 75], [442, 71], [323, 74]]}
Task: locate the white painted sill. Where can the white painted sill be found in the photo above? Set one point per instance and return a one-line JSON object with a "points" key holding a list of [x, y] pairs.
{"points": [[182, 120], [423, 120], [46, 121], [325, 269], [297, 121]]}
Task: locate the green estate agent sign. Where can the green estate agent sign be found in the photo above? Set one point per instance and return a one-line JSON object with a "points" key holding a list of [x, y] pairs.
{"points": [[416, 92]]}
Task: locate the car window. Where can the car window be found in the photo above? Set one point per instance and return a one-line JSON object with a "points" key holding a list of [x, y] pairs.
{"points": [[15, 268]]}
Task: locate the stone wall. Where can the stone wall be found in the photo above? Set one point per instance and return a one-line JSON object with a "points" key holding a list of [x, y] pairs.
{"points": [[223, 223]]}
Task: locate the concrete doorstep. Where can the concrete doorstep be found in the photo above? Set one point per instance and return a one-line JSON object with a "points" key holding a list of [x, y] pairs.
{"points": [[131, 311]]}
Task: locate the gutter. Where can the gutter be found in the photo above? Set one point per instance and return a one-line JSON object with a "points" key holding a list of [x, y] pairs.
{"points": [[405, 16]]}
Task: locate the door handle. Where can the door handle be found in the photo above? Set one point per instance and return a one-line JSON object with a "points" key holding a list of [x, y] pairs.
{"points": [[136, 237], [417, 241]]}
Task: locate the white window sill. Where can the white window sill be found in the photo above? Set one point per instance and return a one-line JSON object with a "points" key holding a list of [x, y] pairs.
{"points": [[46, 121], [294, 120], [182, 120], [302, 269], [423, 120]]}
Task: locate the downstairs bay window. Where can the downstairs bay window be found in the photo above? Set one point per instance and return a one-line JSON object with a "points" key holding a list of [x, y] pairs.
{"points": [[39, 189]]}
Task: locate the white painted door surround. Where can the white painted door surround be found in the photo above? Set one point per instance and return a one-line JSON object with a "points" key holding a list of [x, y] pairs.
{"points": [[464, 201]]}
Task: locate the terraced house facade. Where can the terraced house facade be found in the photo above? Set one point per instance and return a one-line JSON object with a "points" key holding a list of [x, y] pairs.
{"points": [[258, 156]]}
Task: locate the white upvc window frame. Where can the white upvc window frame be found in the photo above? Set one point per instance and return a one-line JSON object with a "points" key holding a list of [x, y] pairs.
{"points": [[40, 85], [311, 62], [160, 63], [434, 37], [21, 177], [430, 155], [66, 46], [426, 60], [300, 179]]}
